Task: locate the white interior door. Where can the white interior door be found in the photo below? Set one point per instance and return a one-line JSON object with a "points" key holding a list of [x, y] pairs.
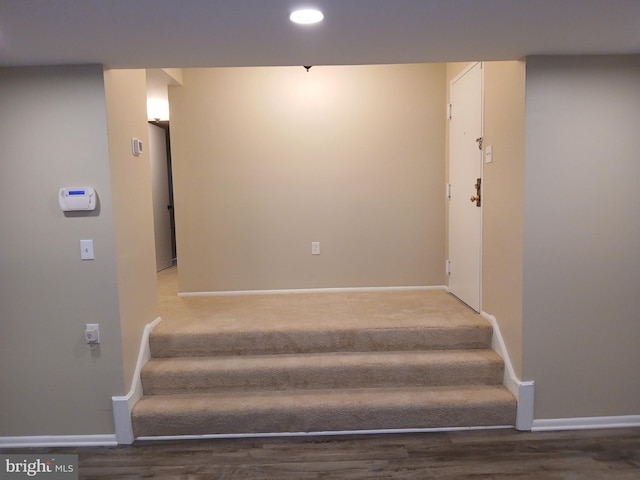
{"points": [[160, 190], [465, 171]]}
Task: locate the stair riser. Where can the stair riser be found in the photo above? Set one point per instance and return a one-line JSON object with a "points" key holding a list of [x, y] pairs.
{"points": [[158, 382], [321, 420], [266, 343]]}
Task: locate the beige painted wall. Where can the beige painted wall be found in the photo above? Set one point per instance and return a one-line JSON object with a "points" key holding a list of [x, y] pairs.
{"points": [[132, 210], [503, 201], [267, 160], [53, 133], [582, 232]]}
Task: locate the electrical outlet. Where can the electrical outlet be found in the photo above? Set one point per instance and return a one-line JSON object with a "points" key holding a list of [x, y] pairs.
{"points": [[92, 333]]}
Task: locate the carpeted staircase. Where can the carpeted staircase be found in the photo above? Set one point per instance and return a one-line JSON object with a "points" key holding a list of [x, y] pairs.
{"points": [[323, 362]]}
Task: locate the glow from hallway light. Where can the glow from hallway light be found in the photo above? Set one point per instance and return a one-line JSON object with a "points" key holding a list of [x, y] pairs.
{"points": [[306, 16], [157, 109]]}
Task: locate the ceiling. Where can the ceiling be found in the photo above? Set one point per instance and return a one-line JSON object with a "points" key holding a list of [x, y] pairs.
{"points": [[208, 33]]}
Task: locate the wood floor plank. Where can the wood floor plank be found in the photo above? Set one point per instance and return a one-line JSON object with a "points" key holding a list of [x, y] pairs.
{"points": [[479, 455]]}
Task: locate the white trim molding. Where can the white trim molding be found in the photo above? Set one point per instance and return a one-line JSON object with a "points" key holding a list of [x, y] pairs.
{"points": [[585, 423], [312, 290], [322, 433], [122, 405], [107, 440], [523, 391]]}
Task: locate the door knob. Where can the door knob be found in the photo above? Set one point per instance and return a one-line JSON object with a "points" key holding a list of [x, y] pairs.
{"points": [[476, 197]]}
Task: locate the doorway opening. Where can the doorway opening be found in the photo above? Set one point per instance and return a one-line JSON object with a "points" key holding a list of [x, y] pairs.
{"points": [[162, 191]]}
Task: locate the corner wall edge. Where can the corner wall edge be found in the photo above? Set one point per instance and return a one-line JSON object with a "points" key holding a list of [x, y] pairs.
{"points": [[523, 391], [123, 405]]}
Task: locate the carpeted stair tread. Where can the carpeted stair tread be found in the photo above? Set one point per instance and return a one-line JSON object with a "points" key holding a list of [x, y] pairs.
{"points": [[316, 339], [324, 322], [322, 370], [323, 410]]}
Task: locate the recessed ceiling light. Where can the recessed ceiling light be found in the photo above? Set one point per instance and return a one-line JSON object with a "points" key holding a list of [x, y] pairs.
{"points": [[306, 16]]}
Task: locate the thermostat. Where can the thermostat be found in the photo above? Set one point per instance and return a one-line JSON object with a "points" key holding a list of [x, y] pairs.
{"points": [[81, 198], [136, 146]]}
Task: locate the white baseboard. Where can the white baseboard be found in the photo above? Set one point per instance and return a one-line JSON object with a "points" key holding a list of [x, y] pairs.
{"points": [[523, 391], [123, 405], [108, 440], [585, 423], [312, 290]]}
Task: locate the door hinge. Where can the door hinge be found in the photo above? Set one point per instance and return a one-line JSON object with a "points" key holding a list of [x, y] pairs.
{"points": [[449, 191], [450, 111], [480, 140], [448, 267]]}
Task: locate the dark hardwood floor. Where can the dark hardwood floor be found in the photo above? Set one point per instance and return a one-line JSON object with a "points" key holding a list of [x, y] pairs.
{"points": [[488, 454]]}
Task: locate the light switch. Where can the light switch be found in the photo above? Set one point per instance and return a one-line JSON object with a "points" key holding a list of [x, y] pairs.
{"points": [[86, 250], [315, 248], [488, 154]]}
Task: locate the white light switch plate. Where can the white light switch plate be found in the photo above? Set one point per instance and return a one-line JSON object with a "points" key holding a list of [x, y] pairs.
{"points": [[86, 250], [315, 248], [488, 154]]}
